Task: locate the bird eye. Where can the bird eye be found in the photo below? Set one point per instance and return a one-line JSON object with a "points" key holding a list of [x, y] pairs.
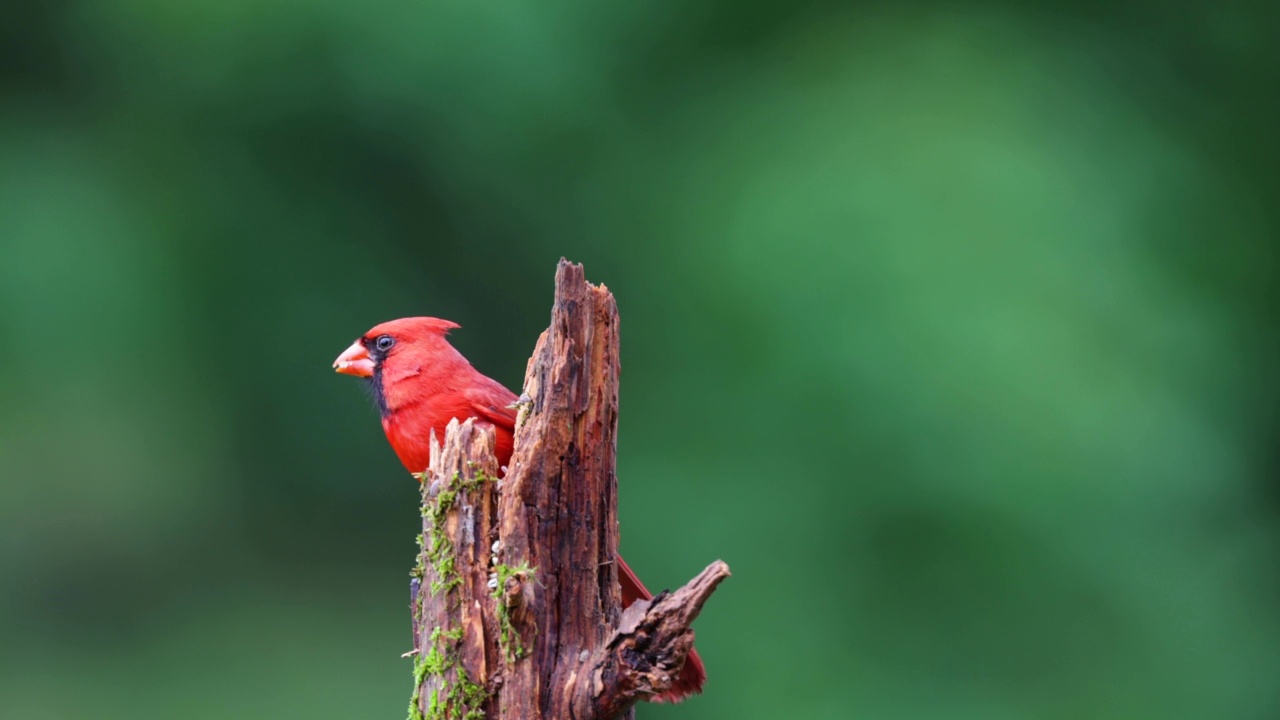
{"points": [[384, 343]]}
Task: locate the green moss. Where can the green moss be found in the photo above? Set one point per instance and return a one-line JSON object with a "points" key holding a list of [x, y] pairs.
{"points": [[419, 675], [420, 568], [439, 550], [508, 637], [467, 697], [434, 663], [454, 635], [458, 698]]}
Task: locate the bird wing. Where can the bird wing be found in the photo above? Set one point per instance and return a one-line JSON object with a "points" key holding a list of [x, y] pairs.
{"points": [[493, 404]]}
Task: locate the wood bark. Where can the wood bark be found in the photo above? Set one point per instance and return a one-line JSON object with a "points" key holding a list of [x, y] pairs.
{"points": [[516, 609]]}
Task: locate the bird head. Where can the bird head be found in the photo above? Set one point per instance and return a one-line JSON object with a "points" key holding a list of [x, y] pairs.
{"points": [[406, 337]]}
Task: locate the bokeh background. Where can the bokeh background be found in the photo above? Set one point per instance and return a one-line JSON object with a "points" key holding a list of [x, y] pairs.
{"points": [[949, 325]]}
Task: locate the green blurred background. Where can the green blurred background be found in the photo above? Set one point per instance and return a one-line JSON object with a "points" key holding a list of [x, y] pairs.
{"points": [[950, 326]]}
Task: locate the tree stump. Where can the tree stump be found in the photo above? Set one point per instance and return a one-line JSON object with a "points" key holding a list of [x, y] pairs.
{"points": [[517, 609]]}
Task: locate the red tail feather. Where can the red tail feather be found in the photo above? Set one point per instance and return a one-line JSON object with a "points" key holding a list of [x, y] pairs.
{"points": [[693, 675]]}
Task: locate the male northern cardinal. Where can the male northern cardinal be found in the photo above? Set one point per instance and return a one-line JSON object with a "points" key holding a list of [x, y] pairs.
{"points": [[420, 383]]}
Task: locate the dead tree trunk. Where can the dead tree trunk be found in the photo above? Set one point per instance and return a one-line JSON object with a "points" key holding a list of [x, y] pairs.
{"points": [[517, 611]]}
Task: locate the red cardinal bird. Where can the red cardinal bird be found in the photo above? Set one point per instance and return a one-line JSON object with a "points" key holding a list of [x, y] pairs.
{"points": [[420, 383]]}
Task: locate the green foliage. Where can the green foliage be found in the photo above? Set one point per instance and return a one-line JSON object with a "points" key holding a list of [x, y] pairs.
{"points": [[949, 327]]}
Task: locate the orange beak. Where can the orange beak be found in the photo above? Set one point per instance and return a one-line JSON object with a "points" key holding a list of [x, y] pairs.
{"points": [[354, 360]]}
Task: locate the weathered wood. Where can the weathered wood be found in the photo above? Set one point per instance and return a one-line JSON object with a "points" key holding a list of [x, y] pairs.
{"points": [[645, 652], [518, 614], [454, 619]]}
